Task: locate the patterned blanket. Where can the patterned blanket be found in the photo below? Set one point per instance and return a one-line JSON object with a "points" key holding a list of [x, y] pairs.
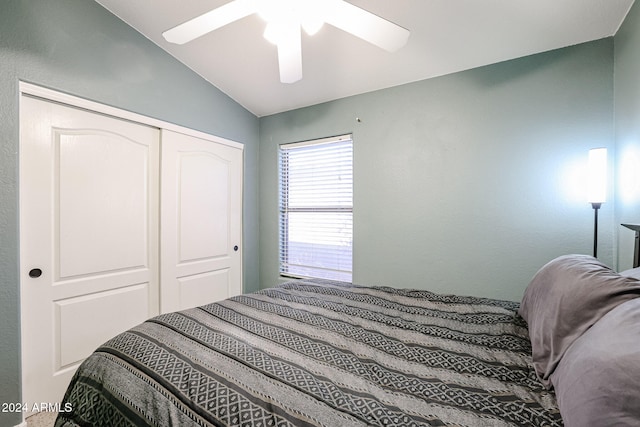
{"points": [[318, 353]]}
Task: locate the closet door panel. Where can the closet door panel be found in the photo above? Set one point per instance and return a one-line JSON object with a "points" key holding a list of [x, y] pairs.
{"points": [[201, 221], [74, 314], [108, 173], [89, 186], [202, 196], [198, 288]]}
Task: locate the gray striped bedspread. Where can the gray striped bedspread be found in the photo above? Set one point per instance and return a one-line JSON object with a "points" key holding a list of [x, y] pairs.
{"points": [[318, 353]]}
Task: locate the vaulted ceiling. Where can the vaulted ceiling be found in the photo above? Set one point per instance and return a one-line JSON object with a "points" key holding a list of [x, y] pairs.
{"points": [[446, 36]]}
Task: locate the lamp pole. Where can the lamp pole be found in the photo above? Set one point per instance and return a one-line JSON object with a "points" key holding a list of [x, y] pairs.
{"points": [[596, 206]]}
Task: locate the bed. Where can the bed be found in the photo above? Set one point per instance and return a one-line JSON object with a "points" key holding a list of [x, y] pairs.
{"points": [[320, 353]]}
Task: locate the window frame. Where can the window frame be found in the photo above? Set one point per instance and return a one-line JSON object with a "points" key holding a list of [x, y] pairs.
{"points": [[284, 210]]}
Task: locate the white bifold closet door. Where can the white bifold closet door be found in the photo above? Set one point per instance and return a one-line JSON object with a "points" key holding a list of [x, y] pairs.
{"points": [[89, 188], [201, 221]]}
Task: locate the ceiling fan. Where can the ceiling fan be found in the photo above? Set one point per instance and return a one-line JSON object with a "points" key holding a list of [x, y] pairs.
{"points": [[284, 20]]}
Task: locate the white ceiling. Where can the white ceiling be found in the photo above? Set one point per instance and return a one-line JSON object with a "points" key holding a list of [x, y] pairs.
{"points": [[446, 36]]}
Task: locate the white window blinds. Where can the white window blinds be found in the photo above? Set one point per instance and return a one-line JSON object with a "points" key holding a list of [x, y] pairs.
{"points": [[316, 208]]}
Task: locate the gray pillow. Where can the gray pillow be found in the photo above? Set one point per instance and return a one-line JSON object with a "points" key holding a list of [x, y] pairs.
{"points": [[566, 297], [633, 272], [597, 383]]}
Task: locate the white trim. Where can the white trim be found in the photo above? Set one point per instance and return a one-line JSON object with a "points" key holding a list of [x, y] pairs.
{"points": [[286, 146], [22, 424], [74, 101]]}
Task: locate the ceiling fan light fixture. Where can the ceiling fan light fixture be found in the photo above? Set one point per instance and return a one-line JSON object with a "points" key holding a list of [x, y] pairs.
{"points": [[277, 10], [275, 31], [284, 20], [312, 25], [313, 14], [307, 14]]}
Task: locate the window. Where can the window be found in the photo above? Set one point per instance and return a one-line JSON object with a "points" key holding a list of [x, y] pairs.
{"points": [[316, 208]]}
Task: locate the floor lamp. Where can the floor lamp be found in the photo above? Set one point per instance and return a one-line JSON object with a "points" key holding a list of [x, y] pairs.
{"points": [[597, 187]]}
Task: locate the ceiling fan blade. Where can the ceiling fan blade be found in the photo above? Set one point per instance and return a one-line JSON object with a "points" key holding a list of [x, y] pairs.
{"points": [[367, 26], [290, 53], [210, 21]]}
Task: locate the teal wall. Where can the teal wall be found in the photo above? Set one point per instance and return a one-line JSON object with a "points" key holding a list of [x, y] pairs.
{"points": [[627, 124], [77, 47], [463, 183]]}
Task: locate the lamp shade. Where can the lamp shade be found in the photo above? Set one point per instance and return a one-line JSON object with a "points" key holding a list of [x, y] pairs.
{"points": [[597, 178]]}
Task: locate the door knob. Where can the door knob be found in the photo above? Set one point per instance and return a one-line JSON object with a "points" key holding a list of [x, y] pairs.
{"points": [[235, 248], [35, 273]]}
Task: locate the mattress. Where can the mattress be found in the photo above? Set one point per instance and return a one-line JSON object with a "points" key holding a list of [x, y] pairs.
{"points": [[318, 353]]}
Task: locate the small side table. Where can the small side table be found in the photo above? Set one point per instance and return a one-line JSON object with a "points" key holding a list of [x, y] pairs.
{"points": [[636, 251]]}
